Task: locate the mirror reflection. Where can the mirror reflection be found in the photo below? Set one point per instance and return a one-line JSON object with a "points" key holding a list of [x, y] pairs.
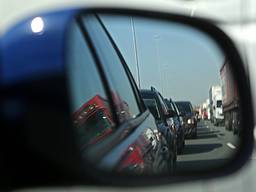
{"points": [[150, 96]]}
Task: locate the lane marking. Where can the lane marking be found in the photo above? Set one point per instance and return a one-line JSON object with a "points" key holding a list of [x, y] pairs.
{"points": [[231, 146]]}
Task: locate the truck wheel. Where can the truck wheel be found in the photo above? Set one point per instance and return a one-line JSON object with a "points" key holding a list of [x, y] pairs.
{"points": [[235, 128], [234, 131], [214, 122], [228, 125], [181, 148]]}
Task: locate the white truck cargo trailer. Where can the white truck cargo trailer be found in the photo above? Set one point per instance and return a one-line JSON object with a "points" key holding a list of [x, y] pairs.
{"points": [[216, 112]]}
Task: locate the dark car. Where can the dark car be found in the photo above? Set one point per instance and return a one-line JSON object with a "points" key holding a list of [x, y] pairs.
{"points": [[186, 109], [164, 120], [179, 124]]}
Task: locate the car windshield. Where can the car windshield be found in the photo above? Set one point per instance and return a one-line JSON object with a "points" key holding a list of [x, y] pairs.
{"points": [[152, 106], [169, 105], [176, 108], [184, 107], [94, 128]]}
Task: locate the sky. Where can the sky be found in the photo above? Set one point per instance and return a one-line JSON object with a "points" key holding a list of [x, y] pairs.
{"points": [[178, 60]]}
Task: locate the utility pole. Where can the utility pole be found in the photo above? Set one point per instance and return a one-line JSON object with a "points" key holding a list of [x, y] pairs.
{"points": [[157, 38], [135, 51]]}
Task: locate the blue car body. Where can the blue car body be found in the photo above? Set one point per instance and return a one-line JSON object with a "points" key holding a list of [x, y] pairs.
{"points": [[30, 58], [26, 55]]}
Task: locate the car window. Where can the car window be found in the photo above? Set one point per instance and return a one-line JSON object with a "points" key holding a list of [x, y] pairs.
{"points": [[91, 110], [219, 103], [125, 101], [176, 108], [163, 105], [169, 105], [184, 107], [153, 108]]}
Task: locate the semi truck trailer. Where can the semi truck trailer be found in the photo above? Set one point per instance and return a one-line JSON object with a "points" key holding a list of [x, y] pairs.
{"points": [[230, 99]]}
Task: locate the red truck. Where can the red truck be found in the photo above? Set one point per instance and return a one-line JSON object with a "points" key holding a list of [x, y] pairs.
{"points": [[93, 122], [95, 118], [230, 99]]}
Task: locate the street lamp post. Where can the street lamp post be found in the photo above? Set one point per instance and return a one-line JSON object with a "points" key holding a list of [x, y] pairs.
{"points": [[157, 39], [135, 52]]}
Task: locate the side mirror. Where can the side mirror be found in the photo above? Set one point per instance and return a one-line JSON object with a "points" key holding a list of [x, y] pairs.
{"points": [[78, 120]]}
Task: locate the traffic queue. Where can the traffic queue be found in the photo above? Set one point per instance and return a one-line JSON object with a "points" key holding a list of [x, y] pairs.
{"points": [[175, 120]]}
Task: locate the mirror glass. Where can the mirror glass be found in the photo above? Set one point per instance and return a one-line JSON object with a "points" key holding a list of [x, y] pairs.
{"points": [[121, 119]]}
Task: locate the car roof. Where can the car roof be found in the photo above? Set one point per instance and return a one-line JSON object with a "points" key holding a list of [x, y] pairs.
{"points": [[181, 102], [147, 92]]}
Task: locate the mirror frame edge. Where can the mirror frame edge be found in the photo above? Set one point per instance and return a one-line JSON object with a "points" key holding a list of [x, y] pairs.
{"points": [[228, 47]]}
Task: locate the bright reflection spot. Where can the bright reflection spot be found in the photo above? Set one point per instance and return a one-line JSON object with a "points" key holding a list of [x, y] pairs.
{"points": [[37, 25]]}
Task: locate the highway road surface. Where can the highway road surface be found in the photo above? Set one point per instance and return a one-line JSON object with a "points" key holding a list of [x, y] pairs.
{"points": [[212, 147]]}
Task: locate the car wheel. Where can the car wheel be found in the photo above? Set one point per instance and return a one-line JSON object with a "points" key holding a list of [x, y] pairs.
{"points": [[172, 164], [180, 150], [235, 129], [181, 147]]}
